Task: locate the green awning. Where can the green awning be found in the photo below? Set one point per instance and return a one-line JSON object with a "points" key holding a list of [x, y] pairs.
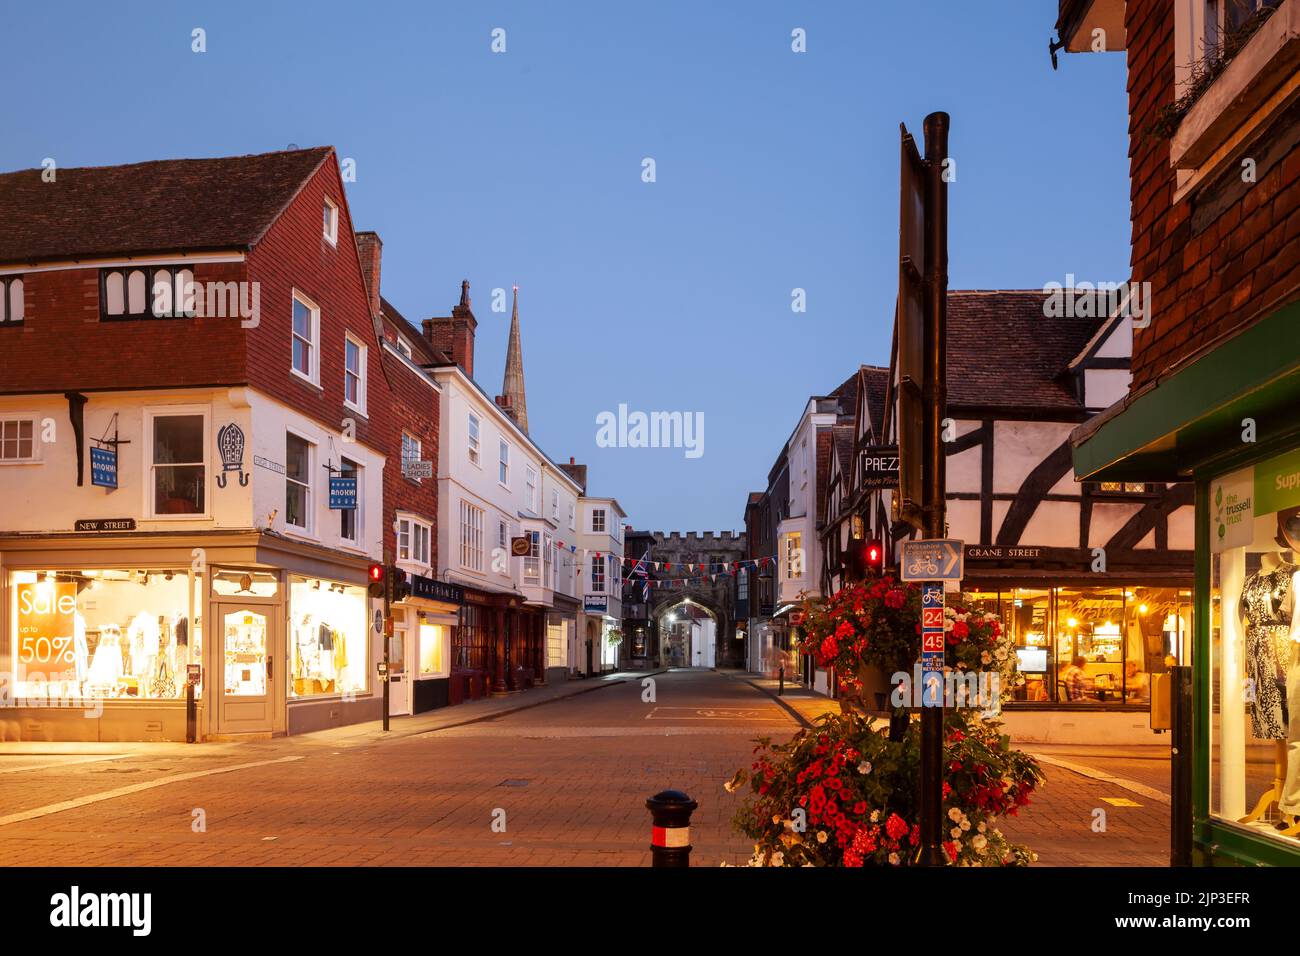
{"points": [[1194, 414]]}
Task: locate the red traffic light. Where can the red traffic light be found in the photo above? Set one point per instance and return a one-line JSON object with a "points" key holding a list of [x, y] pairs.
{"points": [[376, 574], [874, 553]]}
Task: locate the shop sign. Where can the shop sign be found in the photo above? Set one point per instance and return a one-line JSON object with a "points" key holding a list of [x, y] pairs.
{"points": [[1000, 553], [103, 467], [47, 613], [595, 603], [522, 546], [1277, 484], [417, 469], [104, 524], [1232, 511], [937, 559], [880, 467], [343, 492], [431, 589]]}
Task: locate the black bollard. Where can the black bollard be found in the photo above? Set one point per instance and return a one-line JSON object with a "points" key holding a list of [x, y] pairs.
{"points": [[780, 677], [670, 833]]}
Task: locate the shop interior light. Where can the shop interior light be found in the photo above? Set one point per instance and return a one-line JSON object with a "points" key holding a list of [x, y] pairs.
{"points": [[1142, 608], [1071, 623]]}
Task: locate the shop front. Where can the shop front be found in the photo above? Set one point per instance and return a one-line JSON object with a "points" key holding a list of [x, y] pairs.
{"points": [[498, 645], [101, 633], [562, 638], [420, 650], [1228, 421], [1084, 639]]}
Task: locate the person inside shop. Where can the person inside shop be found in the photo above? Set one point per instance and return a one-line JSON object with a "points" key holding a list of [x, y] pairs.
{"points": [[1135, 681], [1075, 679]]}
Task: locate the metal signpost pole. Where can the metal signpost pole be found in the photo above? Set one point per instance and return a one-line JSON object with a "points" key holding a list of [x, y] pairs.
{"points": [[936, 400]]}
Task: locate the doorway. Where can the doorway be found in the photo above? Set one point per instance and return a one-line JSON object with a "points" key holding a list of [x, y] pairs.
{"points": [[252, 699], [399, 676]]}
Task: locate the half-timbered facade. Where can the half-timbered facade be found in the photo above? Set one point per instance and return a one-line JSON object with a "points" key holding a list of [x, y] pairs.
{"points": [[1094, 570]]}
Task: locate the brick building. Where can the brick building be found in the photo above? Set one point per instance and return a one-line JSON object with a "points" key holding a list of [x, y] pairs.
{"points": [[1214, 120], [190, 359]]}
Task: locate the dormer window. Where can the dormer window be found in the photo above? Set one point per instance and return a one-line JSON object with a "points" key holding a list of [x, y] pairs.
{"points": [[148, 292], [331, 229], [11, 300]]}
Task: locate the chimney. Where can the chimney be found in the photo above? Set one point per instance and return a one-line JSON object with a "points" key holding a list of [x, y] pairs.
{"points": [[454, 335], [371, 251], [577, 472]]}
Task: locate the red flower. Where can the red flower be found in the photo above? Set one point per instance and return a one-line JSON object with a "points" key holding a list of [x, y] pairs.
{"points": [[896, 826], [951, 849], [895, 598]]}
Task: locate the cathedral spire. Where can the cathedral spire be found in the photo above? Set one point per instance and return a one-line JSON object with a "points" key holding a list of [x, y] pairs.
{"points": [[512, 389]]}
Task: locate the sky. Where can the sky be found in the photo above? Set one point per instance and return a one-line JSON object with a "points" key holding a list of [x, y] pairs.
{"points": [[772, 171]]}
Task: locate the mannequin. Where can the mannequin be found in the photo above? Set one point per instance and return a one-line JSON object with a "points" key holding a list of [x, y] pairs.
{"points": [[1267, 600], [1289, 803]]}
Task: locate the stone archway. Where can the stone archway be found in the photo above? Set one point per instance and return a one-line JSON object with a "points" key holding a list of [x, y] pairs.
{"points": [[689, 627]]}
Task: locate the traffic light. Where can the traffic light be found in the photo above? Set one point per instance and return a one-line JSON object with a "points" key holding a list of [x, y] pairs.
{"points": [[401, 583], [873, 557], [375, 573]]}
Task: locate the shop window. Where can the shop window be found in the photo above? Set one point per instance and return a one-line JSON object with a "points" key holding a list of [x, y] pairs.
{"points": [[110, 634], [177, 463], [236, 583], [472, 640], [1027, 615], [11, 301], [1255, 648], [1090, 644], [435, 649], [18, 439], [328, 638], [297, 482]]}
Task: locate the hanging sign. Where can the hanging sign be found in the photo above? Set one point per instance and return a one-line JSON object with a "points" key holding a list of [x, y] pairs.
{"points": [[880, 467], [1232, 511], [522, 546], [343, 492], [103, 467], [595, 603], [417, 469], [47, 612]]}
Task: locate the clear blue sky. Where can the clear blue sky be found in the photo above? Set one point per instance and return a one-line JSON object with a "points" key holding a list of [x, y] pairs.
{"points": [[775, 170]]}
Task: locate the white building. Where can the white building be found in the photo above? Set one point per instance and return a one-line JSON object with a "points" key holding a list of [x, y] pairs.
{"points": [[600, 542]]}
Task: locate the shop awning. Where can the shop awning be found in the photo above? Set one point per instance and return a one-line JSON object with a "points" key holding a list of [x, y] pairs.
{"points": [[1194, 414], [785, 609]]}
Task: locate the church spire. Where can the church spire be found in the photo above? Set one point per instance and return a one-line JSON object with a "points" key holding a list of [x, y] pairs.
{"points": [[513, 387]]}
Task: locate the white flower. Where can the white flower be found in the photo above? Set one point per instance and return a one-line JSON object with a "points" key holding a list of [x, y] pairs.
{"points": [[981, 827], [985, 657], [955, 833], [893, 859], [864, 767], [965, 824], [954, 814], [1001, 654], [731, 786], [875, 816], [979, 842], [776, 859]]}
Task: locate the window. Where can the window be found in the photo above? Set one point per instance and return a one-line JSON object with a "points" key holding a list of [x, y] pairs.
{"points": [[354, 374], [434, 649], [1121, 487], [349, 518], [149, 292], [404, 346], [306, 330], [410, 454], [473, 438], [598, 519], [412, 540], [11, 301], [573, 526], [555, 505], [532, 563], [530, 488], [742, 585], [503, 466], [18, 439], [178, 472], [297, 482], [503, 535], [597, 575], [331, 225], [471, 536], [794, 554]]}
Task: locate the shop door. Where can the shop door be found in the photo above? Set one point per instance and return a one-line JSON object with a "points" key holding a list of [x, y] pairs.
{"points": [[250, 698], [399, 679]]}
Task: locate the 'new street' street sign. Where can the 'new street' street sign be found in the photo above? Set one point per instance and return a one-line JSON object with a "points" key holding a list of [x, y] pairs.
{"points": [[937, 559]]}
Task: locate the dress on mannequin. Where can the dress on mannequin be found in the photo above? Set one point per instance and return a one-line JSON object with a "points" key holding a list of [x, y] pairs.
{"points": [[1266, 600]]}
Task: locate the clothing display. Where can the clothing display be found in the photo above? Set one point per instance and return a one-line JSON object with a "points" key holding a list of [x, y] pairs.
{"points": [[1266, 602]]}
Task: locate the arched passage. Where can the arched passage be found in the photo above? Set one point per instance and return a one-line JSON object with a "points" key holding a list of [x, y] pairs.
{"points": [[689, 630]]}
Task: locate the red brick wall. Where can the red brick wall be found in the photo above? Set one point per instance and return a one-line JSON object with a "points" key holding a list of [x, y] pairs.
{"points": [[62, 344], [1223, 257]]}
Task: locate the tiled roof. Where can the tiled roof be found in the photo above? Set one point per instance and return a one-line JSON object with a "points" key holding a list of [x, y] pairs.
{"points": [[414, 337], [877, 383], [843, 437], [170, 205], [1003, 352]]}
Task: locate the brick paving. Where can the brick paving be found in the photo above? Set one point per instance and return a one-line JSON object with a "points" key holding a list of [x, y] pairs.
{"points": [[565, 784]]}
